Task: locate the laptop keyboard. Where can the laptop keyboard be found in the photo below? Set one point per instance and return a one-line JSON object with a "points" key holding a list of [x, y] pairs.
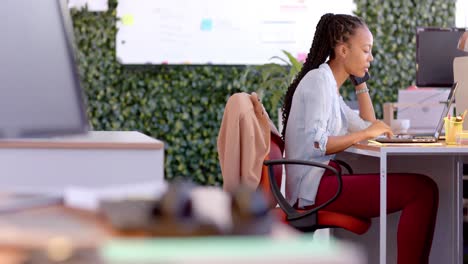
{"points": [[424, 137], [407, 139]]}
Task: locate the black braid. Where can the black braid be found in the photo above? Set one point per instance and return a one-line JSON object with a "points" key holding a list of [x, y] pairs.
{"points": [[330, 31]]}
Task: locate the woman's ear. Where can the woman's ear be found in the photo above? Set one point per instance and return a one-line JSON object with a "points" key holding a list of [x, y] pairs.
{"points": [[341, 50]]}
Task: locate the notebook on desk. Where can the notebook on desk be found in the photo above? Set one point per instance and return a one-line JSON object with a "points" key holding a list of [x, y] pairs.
{"points": [[424, 138]]}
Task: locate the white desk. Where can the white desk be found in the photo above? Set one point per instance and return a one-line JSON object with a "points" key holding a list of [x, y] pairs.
{"points": [[96, 159], [442, 163]]}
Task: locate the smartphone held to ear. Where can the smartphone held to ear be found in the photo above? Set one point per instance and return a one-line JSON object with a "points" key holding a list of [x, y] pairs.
{"points": [[358, 80]]}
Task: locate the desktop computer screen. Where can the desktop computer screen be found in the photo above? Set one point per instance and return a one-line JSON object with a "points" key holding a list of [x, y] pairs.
{"points": [[435, 50], [40, 90]]}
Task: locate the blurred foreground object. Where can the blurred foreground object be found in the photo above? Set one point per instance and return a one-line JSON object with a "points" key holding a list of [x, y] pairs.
{"points": [[189, 210], [238, 249]]}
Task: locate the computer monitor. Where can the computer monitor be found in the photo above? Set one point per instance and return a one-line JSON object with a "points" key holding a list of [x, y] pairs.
{"points": [[435, 50], [40, 91]]}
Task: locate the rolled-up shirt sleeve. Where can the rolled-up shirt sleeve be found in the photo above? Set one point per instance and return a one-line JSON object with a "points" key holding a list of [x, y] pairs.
{"points": [[317, 108]]}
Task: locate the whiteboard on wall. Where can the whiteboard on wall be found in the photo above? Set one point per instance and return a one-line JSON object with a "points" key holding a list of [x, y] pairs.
{"points": [[223, 32]]}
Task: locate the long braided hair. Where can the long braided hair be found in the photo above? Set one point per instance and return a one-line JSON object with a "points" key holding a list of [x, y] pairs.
{"points": [[330, 31]]}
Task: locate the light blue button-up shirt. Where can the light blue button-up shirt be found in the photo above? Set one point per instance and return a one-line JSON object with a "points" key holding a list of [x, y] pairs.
{"points": [[317, 112]]}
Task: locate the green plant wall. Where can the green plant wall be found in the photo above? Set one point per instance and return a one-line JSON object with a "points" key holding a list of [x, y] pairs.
{"points": [[183, 105], [180, 105], [393, 24]]}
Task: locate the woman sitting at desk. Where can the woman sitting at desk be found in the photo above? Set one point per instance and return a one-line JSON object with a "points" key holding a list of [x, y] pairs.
{"points": [[317, 124]]}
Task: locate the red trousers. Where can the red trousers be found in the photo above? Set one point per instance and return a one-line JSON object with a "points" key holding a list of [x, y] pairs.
{"points": [[415, 195]]}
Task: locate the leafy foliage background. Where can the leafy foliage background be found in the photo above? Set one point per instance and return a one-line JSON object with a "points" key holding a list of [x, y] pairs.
{"points": [[183, 105], [393, 24]]}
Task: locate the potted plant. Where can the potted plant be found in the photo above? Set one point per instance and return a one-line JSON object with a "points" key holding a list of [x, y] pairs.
{"points": [[273, 81]]}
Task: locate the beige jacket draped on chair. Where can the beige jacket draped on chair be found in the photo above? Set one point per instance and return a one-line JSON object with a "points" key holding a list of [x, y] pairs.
{"points": [[243, 141]]}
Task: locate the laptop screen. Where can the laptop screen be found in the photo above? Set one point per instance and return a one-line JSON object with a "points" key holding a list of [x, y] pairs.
{"points": [[423, 107], [447, 106]]}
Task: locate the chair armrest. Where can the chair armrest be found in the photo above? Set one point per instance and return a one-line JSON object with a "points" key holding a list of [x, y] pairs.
{"points": [[344, 165], [293, 214]]}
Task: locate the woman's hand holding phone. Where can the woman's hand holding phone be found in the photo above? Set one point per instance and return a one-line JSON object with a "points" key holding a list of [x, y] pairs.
{"points": [[358, 80]]}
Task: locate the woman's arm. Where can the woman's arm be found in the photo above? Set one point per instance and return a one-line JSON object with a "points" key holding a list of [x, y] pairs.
{"points": [[366, 109], [336, 144]]}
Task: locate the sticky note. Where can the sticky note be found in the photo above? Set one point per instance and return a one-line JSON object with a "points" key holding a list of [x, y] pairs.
{"points": [[206, 24], [128, 20]]}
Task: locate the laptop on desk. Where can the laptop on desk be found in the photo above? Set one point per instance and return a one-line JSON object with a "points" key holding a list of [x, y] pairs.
{"points": [[424, 138], [422, 106]]}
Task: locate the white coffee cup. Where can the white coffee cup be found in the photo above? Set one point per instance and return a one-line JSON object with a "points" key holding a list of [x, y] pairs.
{"points": [[400, 126]]}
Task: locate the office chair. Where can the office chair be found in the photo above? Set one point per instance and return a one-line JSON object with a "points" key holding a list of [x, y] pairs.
{"points": [[245, 123], [304, 220]]}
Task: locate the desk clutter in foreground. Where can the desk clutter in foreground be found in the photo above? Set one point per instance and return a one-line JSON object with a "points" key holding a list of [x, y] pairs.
{"points": [[187, 224]]}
